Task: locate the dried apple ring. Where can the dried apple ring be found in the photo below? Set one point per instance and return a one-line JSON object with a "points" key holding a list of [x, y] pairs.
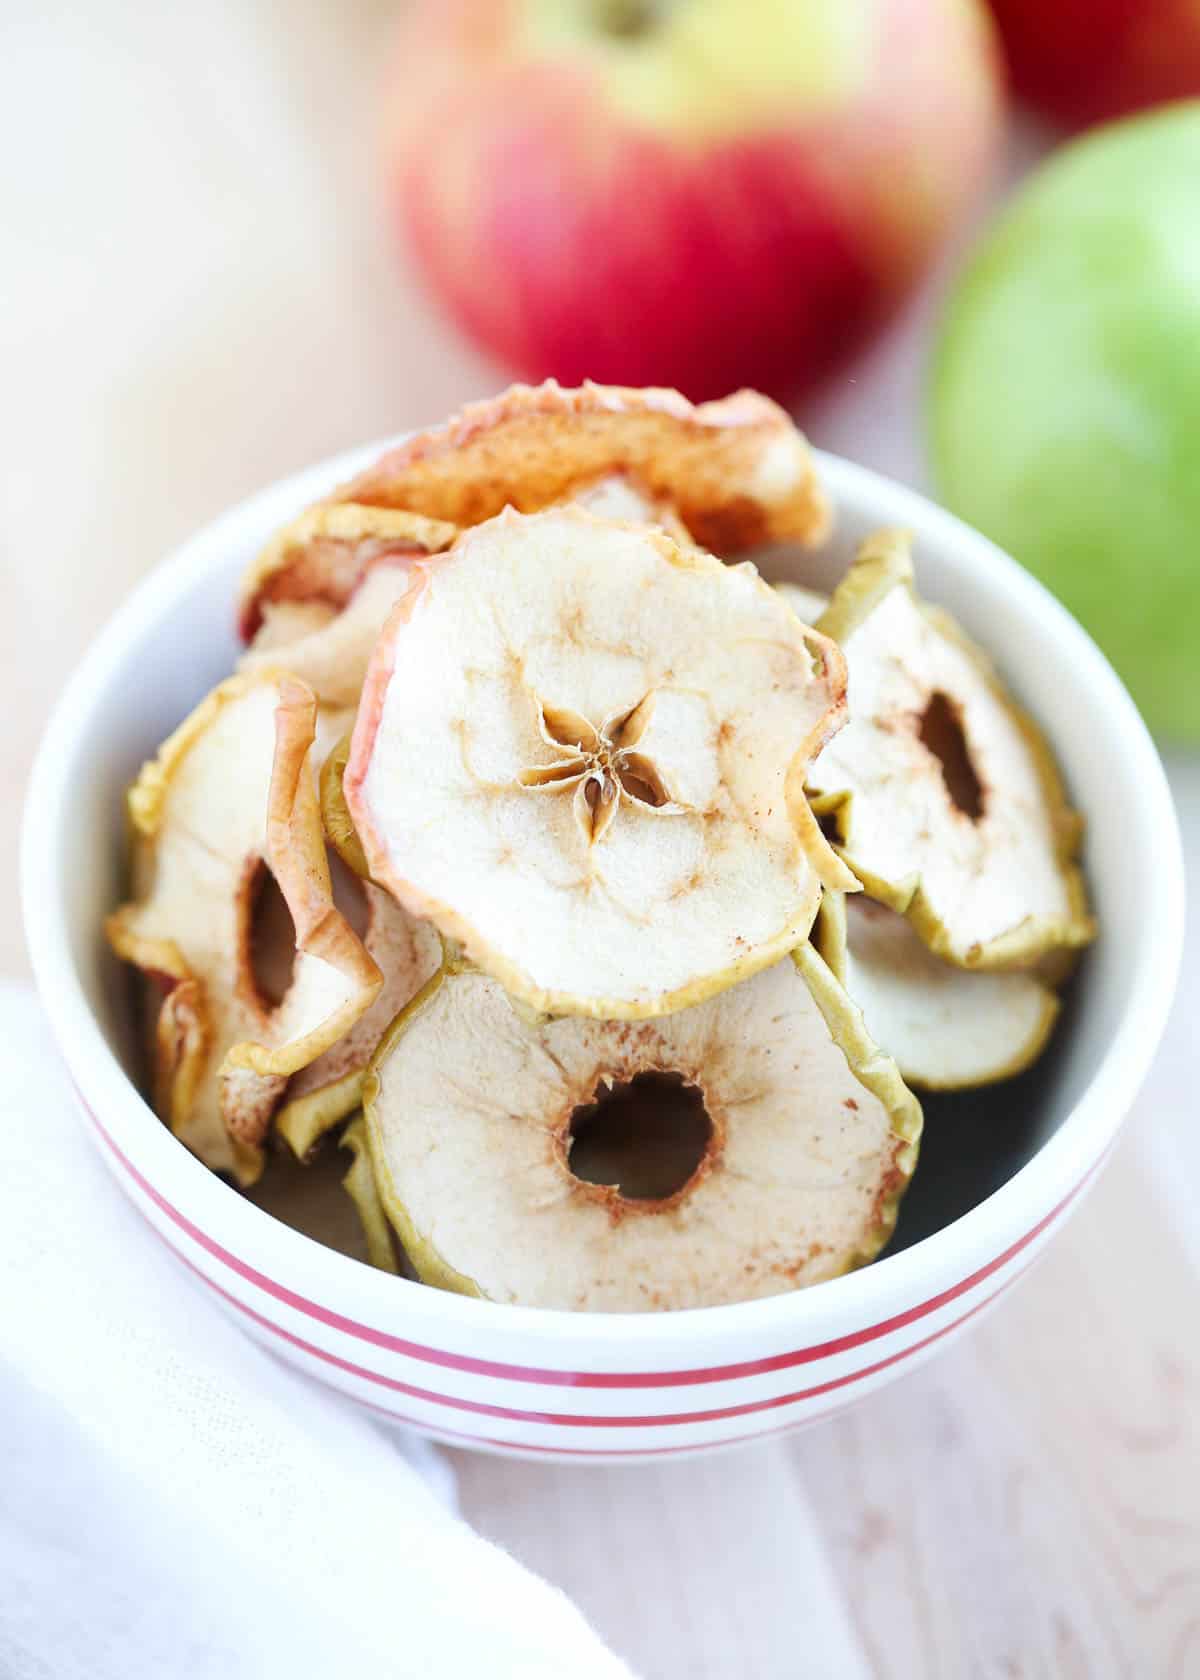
{"points": [[407, 954], [323, 558], [223, 802], [359, 1184], [945, 797], [755, 1143], [948, 1028], [736, 472], [581, 751], [326, 638], [330, 652]]}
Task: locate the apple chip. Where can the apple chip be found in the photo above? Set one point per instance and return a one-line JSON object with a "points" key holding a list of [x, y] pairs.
{"points": [[736, 472], [328, 646], [335, 814], [407, 954], [322, 558], [359, 1184], [948, 1028], [615, 497], [284, 623], [755, 1143], [945, 797], [581, 752], [229, 801], [330, 649]]}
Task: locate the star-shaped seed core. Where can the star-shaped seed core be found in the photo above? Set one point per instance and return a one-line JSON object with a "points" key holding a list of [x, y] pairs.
{"points": [[599, 766]]}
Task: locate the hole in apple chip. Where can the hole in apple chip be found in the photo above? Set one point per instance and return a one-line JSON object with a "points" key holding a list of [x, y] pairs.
{"points": [[948, 1028], [645, 1137], [941, 733], [737, 473], [270, 939], [230, 797], [755, 1143], [947, 803], [580, 752]]}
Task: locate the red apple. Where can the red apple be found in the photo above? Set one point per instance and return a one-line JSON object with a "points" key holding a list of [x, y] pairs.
{"points": [[1083, 61], [699, 193]]}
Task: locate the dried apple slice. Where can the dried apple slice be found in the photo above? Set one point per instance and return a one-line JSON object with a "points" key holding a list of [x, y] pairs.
{"points": [[285, 623], [328, 648], [323, 558], [321, 1095], [945, 797], [755, 1143], [223, 802], [948, 1028], [359, 1184], [617, 497], [335, 815], [330, 653], [736, 472], [581, 751]]}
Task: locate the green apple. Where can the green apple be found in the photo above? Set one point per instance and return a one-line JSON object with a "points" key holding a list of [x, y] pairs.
{"points": [[1065, 401]]}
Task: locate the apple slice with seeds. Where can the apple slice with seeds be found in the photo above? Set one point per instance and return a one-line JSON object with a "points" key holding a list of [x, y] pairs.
{"points": [[945, 798], [755, 1143], [737, 473], [581, 753], [948, 1028], [227, 809]]}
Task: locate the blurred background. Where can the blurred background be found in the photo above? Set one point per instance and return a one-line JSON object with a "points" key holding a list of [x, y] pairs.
{"points": [[235, 239]]}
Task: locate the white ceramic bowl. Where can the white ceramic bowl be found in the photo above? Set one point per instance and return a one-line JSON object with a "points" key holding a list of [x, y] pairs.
{"points": [[604, 1386]]}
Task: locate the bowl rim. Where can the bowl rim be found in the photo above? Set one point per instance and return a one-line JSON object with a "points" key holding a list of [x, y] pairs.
{"points": [[967, 1247]]}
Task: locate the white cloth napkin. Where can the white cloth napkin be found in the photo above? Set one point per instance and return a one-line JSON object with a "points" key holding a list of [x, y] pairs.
{"points": [[175, 1502]]}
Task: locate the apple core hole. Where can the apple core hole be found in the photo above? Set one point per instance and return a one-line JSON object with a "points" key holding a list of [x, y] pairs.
{"points": [[271, 940], [645, 1136], [941, 733]]}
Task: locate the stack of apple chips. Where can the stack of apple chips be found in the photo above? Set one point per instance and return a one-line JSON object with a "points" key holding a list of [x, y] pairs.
{"points": [[535, 848]]}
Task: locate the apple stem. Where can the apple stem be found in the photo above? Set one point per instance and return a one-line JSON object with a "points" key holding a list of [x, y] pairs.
{"points": [[631, 18]]}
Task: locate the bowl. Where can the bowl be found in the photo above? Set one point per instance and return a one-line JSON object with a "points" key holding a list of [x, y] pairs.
{"points": [[997, 1179]]}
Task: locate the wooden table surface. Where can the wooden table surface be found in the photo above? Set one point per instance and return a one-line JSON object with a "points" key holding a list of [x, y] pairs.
{"points": [[199, 295]]}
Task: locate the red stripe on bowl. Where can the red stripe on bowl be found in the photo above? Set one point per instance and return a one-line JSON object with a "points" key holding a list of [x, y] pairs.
{"points": [[573, 1379], [603, 1454], [573, 1420]]}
